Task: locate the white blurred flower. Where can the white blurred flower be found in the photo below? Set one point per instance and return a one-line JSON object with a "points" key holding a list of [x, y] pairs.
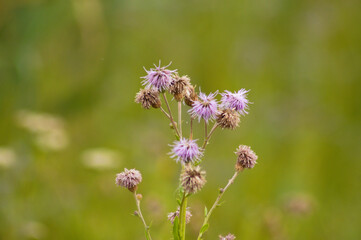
{"points": [[34, 230], [101, 158], [49, 130], [7, 157]]}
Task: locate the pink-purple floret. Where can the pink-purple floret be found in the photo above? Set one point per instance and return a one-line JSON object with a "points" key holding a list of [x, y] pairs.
{"points": [[205, 107], [186, 150], [237, 100], [159, 77]]}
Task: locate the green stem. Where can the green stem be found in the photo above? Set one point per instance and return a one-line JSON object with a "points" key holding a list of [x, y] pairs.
{"points": [[209, 135], [182, 217], [147, 233], [215, 204]]}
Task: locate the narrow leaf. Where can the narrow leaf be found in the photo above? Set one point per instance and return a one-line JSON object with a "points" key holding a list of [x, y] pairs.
{"points": [[204, 228], [205, 211], [176, 229]]}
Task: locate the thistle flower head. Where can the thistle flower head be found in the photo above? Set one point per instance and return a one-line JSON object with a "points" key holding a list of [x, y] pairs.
{"points": [[228, 118], [228, 237], [190, 96], [246, 158], [148, 97], [179, 87], [129, 179], [192, 179], [205, 107], [186, 150], [237, 100], [159, 77], [173, 215]]}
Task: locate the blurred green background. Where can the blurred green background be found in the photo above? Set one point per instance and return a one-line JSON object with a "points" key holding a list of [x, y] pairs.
{"points": [[69, 71]]}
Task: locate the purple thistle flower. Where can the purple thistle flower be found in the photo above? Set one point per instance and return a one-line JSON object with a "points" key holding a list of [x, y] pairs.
{"points": [[159, 77], [237, 100], [186, 150], [205, 107]]}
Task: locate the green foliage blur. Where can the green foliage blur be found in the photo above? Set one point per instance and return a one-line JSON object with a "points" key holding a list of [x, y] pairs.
{"points": [[69, 71]]}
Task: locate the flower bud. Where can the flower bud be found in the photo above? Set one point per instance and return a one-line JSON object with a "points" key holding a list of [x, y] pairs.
{"points": [[139, 196], [228, 118], [190, 96], [192, 179], [246, 158], [129, 179], [148, 97], [179, 87]]}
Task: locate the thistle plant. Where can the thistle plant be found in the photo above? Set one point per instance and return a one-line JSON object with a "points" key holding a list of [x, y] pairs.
{"points": [[187, 151]]}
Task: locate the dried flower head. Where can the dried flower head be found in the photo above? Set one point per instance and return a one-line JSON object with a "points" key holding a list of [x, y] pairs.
{"points": [[173, 215], [190, 96], [129, 179], [228, 237], [148, 97], [179, 87], [205, 107], [246, 157], [237, 100], [159, 77], [228, 118], [193, 179], [186, 150]]}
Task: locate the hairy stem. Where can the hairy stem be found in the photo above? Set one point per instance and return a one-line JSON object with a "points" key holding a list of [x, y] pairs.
{"points": [[170, 115], [209, 136], [182, 217], [147, 233], [215, 204], [180, 118]]}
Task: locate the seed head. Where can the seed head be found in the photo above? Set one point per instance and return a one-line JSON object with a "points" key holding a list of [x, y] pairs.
{"points": [[190, 96], [129, 179], [228, 118], [228, 237], [237, 100], [205, 107], [159, 77], [179, 87], [148, 97], [186, 150], [193, 179], [246, 158], [173, 215]]}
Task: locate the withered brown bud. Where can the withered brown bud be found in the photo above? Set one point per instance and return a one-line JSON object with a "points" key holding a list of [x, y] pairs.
{"points": [[190, 96], [148, 98], [246, 158], [228, 118], [178, 87]]}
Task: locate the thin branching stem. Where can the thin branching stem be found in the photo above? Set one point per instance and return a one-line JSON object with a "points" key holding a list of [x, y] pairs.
{"points": [[206, 140], [165, 113], [180, 118], [205, 130], [215, 204], [139, 212], [170, 115]]}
